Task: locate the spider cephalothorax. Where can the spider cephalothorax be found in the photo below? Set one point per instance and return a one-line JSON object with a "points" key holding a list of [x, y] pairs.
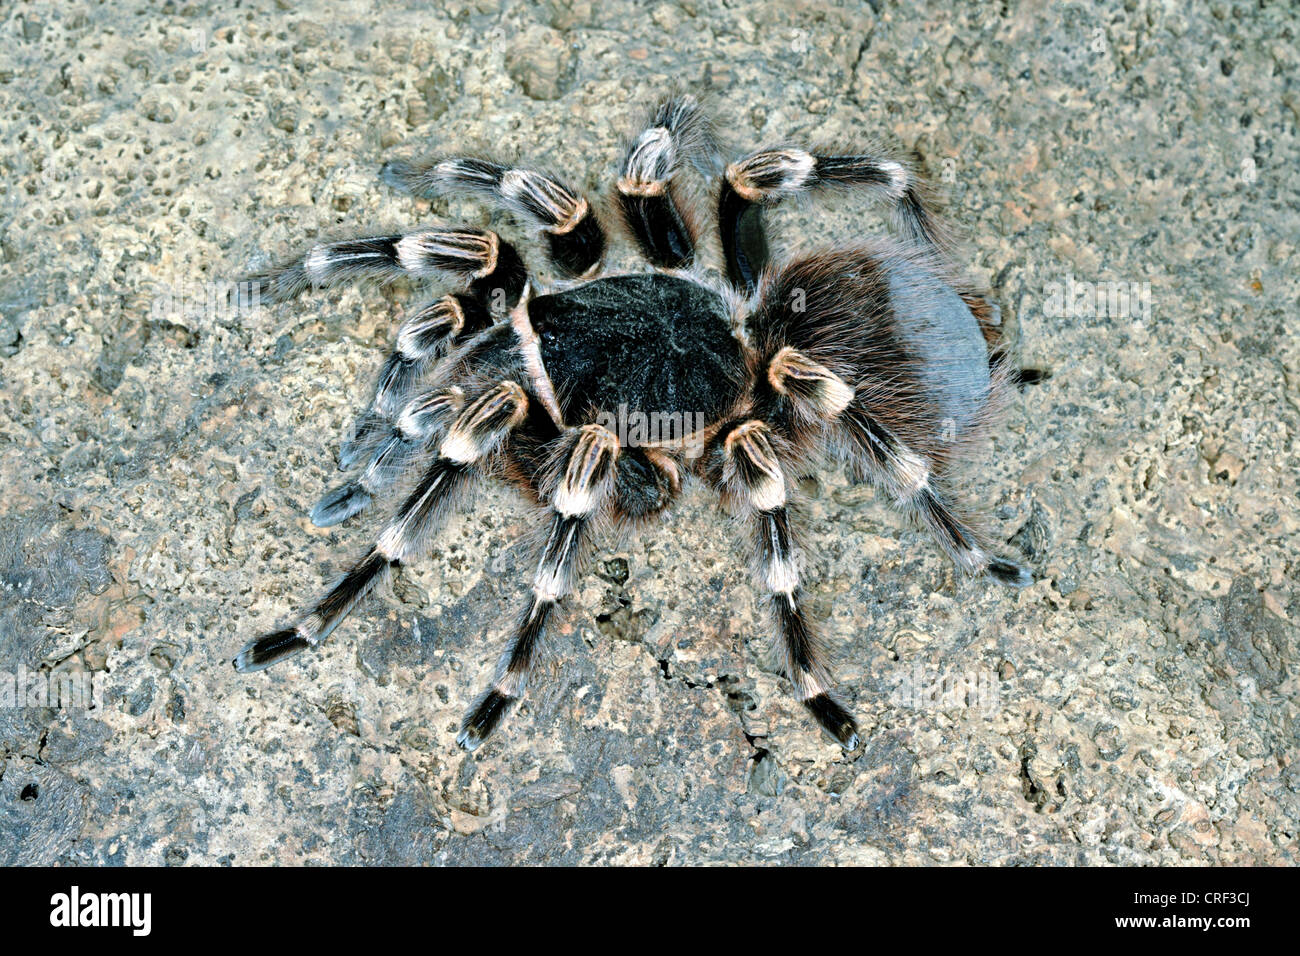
{"points": [[879, 355]]}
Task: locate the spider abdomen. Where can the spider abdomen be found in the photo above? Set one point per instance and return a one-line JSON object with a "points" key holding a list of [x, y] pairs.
{"points": [[651, 349], [895, 331], [945, 339]]}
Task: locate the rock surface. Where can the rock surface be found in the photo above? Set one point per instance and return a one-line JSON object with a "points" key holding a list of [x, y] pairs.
{"points": [[159, 452]]}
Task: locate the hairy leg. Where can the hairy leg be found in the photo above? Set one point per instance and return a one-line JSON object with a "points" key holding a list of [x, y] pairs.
{"points": [[646, 192], [476, 433], [585, 479], [575, 239]]}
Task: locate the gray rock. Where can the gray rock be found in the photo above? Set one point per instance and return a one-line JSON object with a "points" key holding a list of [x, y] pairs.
{"points": [[160, 448], [542, 63]]}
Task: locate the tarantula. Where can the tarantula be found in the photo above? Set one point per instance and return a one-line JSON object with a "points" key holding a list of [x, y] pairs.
{"points": [[879, 355]]}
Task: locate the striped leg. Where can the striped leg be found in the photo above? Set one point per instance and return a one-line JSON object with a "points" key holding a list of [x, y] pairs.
{"points": [[813, 394], [753, 476], [908, 478], [573, 233], [395, 443], [491, 267], [424, 338], [580, 495], [476, 433], [770, 175], [645, 190]]}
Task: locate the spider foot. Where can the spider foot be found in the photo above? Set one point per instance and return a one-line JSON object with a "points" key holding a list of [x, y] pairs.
{"points": [[835, 720], [1031, 376], [484, 719], [1010, 573], [365, 434], [339, 505], [261, 653]]}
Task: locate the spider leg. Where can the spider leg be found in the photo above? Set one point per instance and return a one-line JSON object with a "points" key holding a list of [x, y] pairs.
{"points": [[478, 430], [420, 422], [475, 256], [574, 236], [909, 478], [766, 177], [646, 193], [426, 336], [748, 472], [585, 481]]}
